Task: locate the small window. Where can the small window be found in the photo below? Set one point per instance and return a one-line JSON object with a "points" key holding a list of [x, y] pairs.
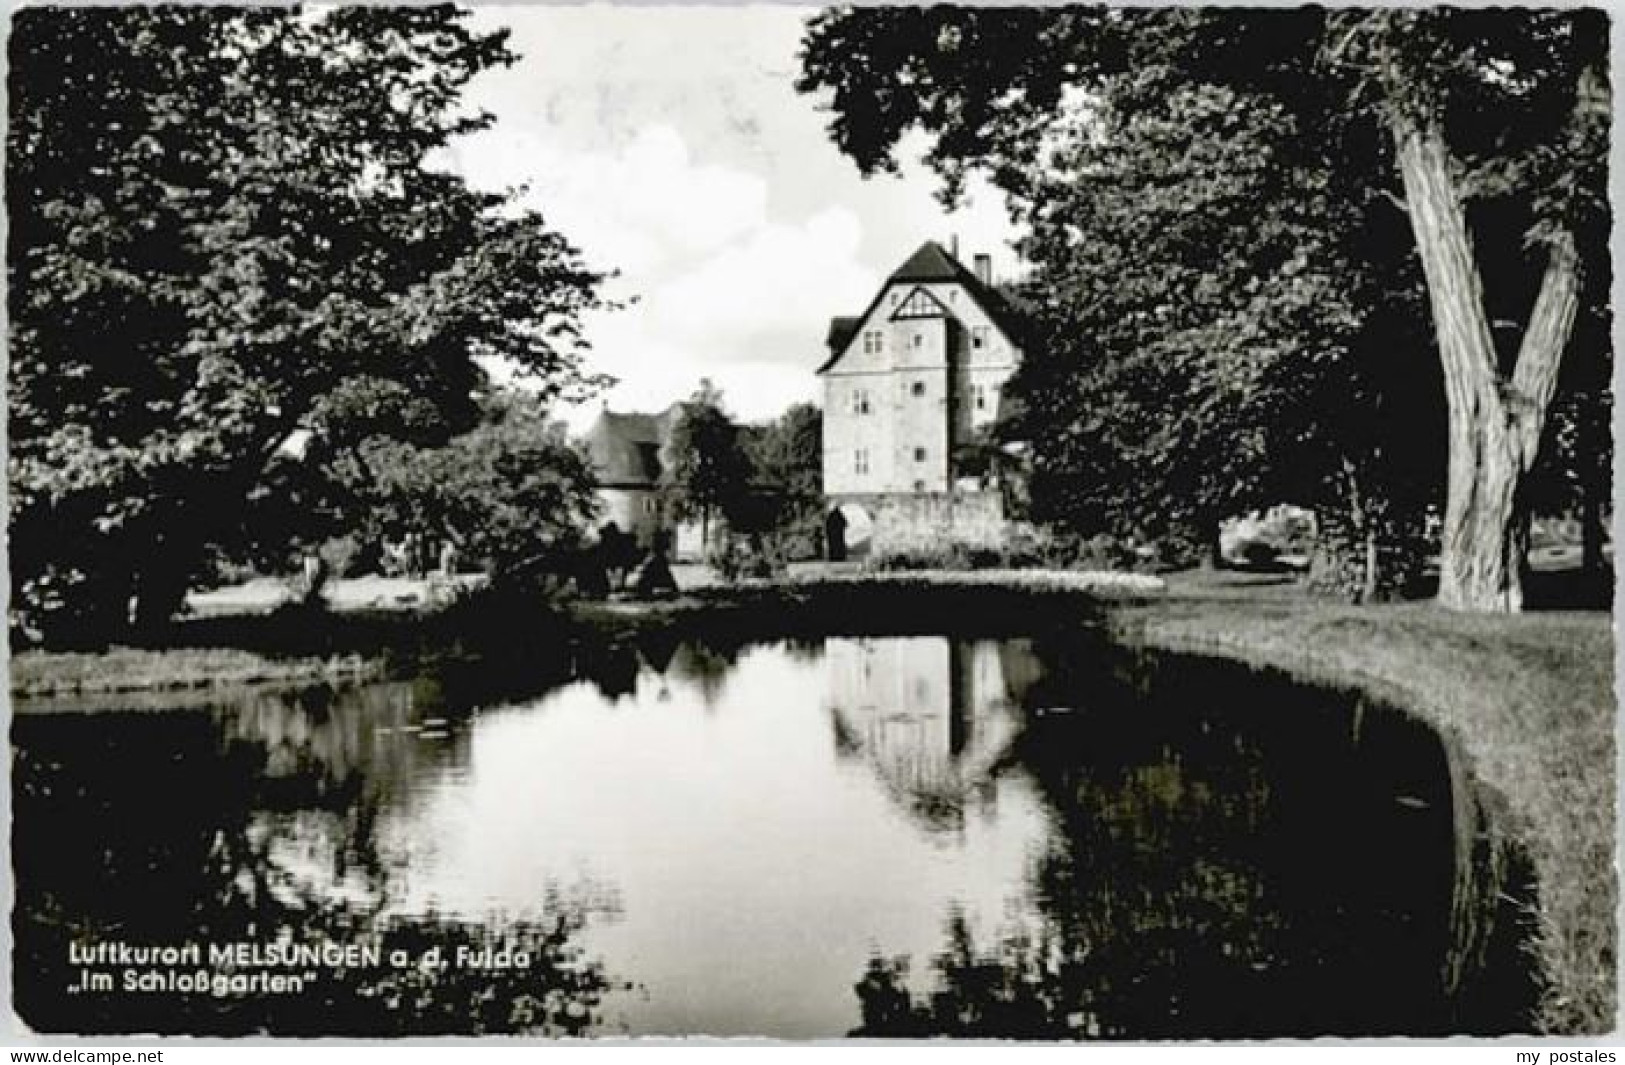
{"points": [[978, 337], [981, 397], [919, 340], [917, 388], [860, 461], [919, 454], [919, 486]]}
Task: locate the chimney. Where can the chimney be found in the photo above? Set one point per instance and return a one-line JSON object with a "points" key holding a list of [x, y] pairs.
{"points": [[953, 246], [984, 269]]}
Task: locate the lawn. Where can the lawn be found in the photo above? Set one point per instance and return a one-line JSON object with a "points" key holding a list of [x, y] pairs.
{"points": [[87, 677]]}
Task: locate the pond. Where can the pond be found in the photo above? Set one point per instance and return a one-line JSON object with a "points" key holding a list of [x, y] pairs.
{"points": [[1043, 837]]}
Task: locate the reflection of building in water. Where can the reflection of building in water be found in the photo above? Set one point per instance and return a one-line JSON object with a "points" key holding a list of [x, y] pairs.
{"points": [[932, 716]]}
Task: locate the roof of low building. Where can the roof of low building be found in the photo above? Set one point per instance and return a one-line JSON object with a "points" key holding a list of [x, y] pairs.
{"points": [[625, 448]]}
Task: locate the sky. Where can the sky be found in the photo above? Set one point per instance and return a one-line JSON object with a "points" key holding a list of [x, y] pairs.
{"points": [[669, 144]]}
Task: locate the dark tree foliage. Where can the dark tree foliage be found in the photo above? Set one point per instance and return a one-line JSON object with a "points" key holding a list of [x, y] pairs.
{"points": [[706, 468], [787, 457], [223, 228], [1226, 266], [511, 494]]}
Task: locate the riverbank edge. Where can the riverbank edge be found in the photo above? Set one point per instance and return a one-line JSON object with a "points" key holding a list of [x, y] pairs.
{"points": [[1495, 687], [51, 677], [1552, 780]]}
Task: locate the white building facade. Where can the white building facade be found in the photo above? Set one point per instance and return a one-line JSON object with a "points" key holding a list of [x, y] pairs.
{"points": [[918, 375]]}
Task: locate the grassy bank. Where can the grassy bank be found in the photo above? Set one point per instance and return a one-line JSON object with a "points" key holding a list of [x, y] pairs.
{"points": [[123, 670], [1529, 699]]}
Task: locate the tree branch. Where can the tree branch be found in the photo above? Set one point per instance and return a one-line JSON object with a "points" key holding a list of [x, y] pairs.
{"points": [[1534, 377], [1395, 199]]}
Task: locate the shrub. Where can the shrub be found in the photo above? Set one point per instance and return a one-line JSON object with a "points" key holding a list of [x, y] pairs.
{"points": [[737, 557], [1024, 549]]}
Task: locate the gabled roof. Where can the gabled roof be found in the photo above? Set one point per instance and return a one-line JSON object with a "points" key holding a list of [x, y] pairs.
{"points": [[929, 263], [625, 448]]}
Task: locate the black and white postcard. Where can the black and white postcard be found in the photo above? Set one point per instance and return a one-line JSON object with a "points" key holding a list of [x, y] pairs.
{"points": [[1032, 523]]}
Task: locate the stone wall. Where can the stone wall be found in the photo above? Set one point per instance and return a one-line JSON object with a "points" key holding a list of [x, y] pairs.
{"points": [[923, 520]]}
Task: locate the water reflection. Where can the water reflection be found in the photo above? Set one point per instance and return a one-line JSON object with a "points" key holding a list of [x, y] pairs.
{"points": [[1220, 868], [933, 717], [1041, 838], [165, 829]]}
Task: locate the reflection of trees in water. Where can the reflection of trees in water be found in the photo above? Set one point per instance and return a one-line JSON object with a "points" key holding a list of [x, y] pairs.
{"points": [[613, 665], [329, 762], [1230, 856], [705, 667], [150, 830]]}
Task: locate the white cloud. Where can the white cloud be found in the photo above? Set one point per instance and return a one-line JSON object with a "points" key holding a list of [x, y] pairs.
{"points": [[720, 289], [780, 283], [670, 145]]}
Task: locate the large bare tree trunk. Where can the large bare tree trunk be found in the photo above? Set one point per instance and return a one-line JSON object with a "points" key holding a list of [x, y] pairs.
{"points": [[1495, 420]]}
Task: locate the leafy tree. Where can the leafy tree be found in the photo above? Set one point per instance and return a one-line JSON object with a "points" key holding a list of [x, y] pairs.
{"points": [[511, 493], [1505, 108], [1185, 260], [787, 455], [223, 228], [706, 468]]}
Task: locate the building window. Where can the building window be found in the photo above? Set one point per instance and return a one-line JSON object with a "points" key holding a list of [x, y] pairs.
{"points": [[860, 461], [919, 454], [919, 340], [919, 486], [874, 342], [980, 394], [860, 401], [978, 337], [917, 388]]}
